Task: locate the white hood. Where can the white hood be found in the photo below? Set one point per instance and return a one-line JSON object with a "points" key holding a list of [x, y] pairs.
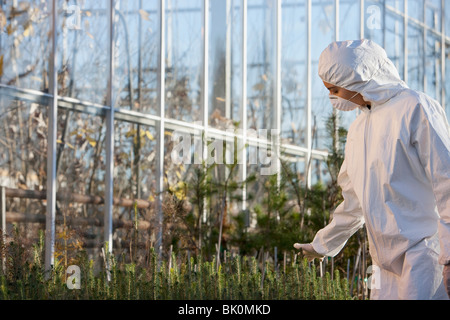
{"points": [[361, 66]]}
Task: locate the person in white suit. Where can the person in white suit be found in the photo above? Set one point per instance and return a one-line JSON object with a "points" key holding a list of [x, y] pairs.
{"points": [[395, 178]]}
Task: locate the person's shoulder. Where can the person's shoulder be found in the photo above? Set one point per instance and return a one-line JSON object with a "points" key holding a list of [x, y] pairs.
{"points": [[408, 98], [412, 101], [422, 107]]}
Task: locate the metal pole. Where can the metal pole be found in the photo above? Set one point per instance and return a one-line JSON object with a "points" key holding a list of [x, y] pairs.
{"points": [[362, 20], [138, 163], [336, 20], [228, 110], [161, 126], [384, 24], [51, 149], [205, 93], [228, 104], [109, 140], [244, 103], [277, 95], [424, 49], [205, 89], [308, 96], [336, 112], [405, 41]]}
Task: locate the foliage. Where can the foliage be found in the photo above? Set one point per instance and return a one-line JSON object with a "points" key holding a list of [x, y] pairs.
{"points": [[288, 211], [187, 278]]}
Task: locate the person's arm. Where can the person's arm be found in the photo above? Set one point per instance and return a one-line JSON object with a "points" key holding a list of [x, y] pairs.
{"points": [[347, 219], [430, 135]]}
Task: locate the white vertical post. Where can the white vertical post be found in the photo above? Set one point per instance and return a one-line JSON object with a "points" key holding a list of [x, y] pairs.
{"points": [[277, 94], [362, 19], [244, 103], [169, 23], [51, 149], [405, 40], [424, 48], [228, 104], [336, 20], [161, 126], [336, 38], [443, 58], [384, 29], [205, 73], [109, 140], [308, 97], [205, 91]]}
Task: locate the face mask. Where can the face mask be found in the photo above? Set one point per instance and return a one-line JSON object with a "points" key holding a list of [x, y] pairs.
{"points": [[343, 104]]}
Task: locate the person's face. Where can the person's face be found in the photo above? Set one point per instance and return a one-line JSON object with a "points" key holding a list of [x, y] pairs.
{"points": [[346, 94]]}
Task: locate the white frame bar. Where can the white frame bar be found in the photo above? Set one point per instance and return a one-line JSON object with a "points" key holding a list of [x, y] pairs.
{"points": [[277, 93], [161, 127], [336, 20], [424, 48], [51, 148], [244, 103], [228, 102], [405, 41], [336, 38], [205, 93], [308, 97], [362, 21], [109, 140]]}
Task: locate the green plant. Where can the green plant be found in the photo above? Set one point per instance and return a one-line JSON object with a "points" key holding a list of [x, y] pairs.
{"points": [[193, 278]]}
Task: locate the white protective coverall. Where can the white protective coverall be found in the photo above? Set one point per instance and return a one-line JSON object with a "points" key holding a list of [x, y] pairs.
{"points": [[395, 178]]}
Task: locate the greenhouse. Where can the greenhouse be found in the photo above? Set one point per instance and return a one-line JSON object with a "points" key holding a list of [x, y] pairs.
{"points": [[188, 126]]}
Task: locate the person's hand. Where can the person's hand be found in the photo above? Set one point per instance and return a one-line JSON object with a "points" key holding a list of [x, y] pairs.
{"points": [[446, 274], [308, 251]]}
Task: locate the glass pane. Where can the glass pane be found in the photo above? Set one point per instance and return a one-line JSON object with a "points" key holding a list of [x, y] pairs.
{"points": [[185, 189], [415, 9], [349, 17], [23, 165], [25, 44], [136, 55], [433, 14], [134, 178], [184, 59], [396, 4], [320, 172], [416, 57], [225, 61], [433, 79], [80, 172], [261, 64], [293, 73], [375, 26], [83, 50], [236, 60], [447, 19], [322, 34], [394, 36]]}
